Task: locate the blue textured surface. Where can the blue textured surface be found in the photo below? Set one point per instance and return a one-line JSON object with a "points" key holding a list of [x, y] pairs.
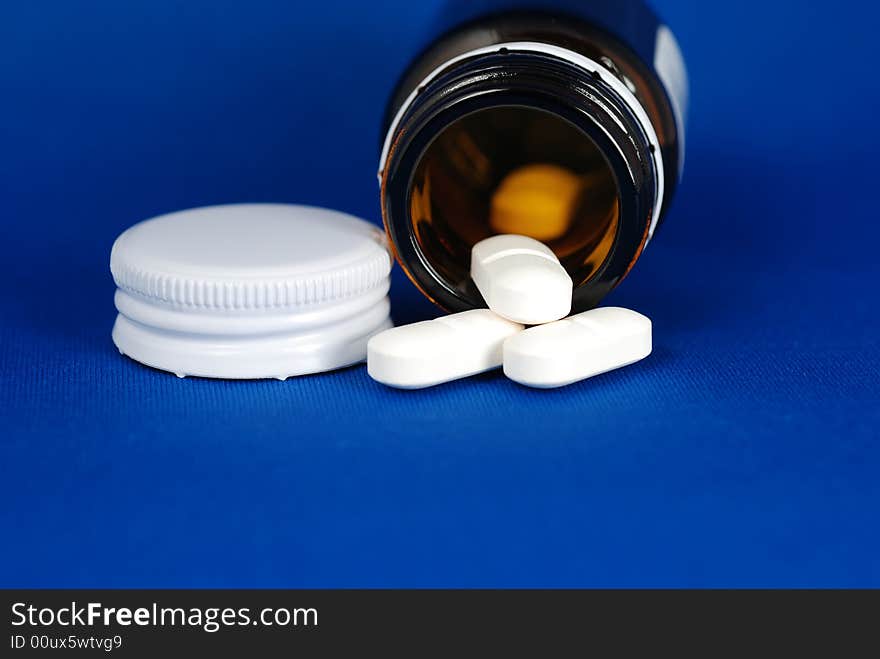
{"points": [[745, 452]]}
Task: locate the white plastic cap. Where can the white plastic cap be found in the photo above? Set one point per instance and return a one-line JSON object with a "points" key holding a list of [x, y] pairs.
{"points": [[250, 290]]}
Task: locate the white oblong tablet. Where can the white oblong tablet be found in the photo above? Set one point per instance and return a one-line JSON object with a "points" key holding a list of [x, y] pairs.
{"points": [[435, 351], [577, 348], [521, 279]]}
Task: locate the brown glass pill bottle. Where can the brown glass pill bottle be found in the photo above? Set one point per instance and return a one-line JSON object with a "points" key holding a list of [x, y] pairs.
{"points": [[562, 120]]}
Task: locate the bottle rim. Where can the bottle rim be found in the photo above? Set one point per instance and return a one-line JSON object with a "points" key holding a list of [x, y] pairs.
{"points": [[505, 77]]}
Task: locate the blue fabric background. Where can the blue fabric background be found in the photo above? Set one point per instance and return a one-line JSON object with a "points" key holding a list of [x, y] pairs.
{"points": [[744, 452]]}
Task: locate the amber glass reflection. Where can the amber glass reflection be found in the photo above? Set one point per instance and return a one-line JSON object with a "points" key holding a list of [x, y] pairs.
{"points": [[514, 170]]}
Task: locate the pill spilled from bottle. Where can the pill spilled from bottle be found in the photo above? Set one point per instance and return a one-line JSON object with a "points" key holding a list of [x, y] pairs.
{"points": [[523, 283]]}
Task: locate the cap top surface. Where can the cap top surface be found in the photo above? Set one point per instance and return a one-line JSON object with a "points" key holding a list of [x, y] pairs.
{"points": [[250, 256]]}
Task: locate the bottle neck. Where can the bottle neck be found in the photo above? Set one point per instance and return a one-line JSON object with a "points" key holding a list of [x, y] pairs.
{"points": [[534, 77]]}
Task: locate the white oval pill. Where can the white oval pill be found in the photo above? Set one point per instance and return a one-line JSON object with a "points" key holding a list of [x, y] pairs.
{"points": [[577, 348], [434, 351], [521, 279]]}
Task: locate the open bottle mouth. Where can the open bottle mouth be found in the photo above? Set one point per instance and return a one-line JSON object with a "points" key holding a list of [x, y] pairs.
{"points": [[519, 170], [518, 143]]}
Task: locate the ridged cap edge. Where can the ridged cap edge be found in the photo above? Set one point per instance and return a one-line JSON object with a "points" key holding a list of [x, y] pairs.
{"points": [[234, 295]]}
